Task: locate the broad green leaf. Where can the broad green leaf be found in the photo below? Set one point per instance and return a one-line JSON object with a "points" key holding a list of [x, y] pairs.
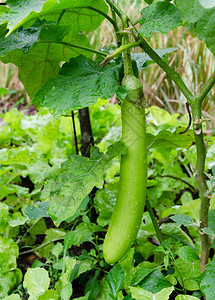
{"points": [[192, 9], [21, 9], [187, 253], [92, 287], [79, 84], [207, 284], [79, 210], [75, 180], [9, 251], [207, 4], [20, 155], [39, 170], [104, 290], [199, 19], [104, 203], [36, 281], [69, 12], [169, 139], [143, 246], [76, 237], [185, 297], [9, 281], [140, 275], [143, 60], [17, 219], [174, 231], [159, 17], [66, 291], [4, 216], [115, 278], [52, 234], [160, 117], [154, 282], [205, 29], [21, 39], [81, 268], [211, 219], [3, 9], [127, 265], [208, 231], [57, 250], [186, 272], [42, 60], [38, 210], [141, 294], [12, 297], [3, 91], [49, 294], [182, 220], [65, 277]]}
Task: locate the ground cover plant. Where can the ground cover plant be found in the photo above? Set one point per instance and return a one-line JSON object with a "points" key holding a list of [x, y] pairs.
{"points": [[132, 216]]}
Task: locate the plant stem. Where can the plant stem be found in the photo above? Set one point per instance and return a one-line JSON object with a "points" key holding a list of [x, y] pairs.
{"points": [[170, 71], [114, 7], [41, 246], [29, 229], [127, 62], [118, 34], [154, 221], [74, 131], [206, 88], [86, 131], [182, 180], [201, 181], [117, 52], [102, 53]]}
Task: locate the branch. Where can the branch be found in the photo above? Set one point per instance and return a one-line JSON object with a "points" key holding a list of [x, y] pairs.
{"points": [[114, 7], [201, 181], [102, 53], [117, 52], [180, 179], [206, 88], [74, 131], [170, 71], [154, 221]]}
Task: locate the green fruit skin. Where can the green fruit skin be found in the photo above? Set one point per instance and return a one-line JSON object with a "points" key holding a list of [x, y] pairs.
{"points": [[129, 207]]}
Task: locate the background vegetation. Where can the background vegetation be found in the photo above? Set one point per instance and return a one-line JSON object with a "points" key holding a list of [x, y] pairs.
{"points": [[43, 261]]}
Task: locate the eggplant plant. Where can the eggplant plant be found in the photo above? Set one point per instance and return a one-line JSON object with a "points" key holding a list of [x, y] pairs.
{"points": [[49, 43]]}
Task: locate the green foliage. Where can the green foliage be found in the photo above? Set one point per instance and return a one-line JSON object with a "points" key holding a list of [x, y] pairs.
{"points": [[74, 12], [206, 285], [143, 60], [77, 178], [82, 81], [39, 129], [199, 20], [43, 39], [141, 294], [115, 279], [159, 17], [36, 282], [49, 41]]}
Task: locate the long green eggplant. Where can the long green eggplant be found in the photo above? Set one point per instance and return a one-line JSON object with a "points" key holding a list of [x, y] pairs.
{"points": [[129, 207]]}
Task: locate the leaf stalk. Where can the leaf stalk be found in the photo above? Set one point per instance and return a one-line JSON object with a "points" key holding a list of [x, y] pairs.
{"points": [[102, 53], [201, 182], [117, 52], [206, 89]]}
